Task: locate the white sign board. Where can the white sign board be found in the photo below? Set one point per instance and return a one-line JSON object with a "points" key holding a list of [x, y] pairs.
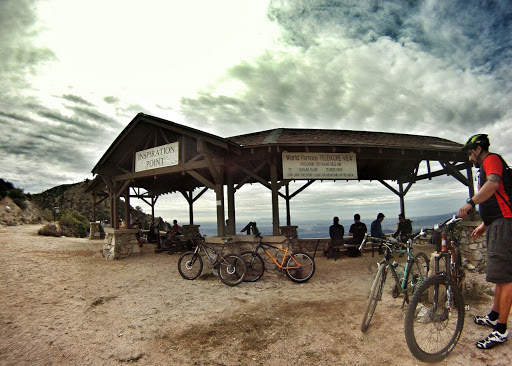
{"points": [[156, 157], [319, 165]]}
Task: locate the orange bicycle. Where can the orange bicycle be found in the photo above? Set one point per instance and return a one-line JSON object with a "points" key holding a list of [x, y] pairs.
{"points": [[298, 266]]}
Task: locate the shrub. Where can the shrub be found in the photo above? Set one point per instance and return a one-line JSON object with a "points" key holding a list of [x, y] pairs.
{"points": [[73, 223], [49, 230]]}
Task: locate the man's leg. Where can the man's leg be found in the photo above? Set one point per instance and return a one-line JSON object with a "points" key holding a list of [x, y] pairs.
{"points": [[502, 304], [504, 301]]}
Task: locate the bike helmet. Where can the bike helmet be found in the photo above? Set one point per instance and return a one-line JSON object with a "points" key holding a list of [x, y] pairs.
{"points": [[475, 140]]}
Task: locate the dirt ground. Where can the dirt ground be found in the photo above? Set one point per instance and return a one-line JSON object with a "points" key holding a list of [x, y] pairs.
{"points": [[62, 303]]}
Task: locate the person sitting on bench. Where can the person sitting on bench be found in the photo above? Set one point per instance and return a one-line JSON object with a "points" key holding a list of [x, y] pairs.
{"points": [[356, 231]]}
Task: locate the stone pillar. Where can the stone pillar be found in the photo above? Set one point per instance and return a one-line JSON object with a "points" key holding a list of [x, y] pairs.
{"points": [[120, 243], [473, 251], [190, 232], [288, 230]]}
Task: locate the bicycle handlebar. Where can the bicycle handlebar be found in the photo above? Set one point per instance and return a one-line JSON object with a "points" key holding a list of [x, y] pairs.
{"points": [[452, 220]]}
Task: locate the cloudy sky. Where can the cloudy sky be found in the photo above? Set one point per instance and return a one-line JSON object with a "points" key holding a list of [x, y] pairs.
{"points": [[73, 73]]}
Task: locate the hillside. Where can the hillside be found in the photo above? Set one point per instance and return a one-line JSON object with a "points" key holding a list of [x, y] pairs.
{"points": [[71, 197], [12, 215]]}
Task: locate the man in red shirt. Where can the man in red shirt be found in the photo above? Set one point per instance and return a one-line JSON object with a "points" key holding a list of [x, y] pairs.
{"points": [[496, 214]]}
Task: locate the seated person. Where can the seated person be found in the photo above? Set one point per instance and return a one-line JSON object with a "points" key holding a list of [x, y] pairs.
{"points": [[336, 233], [404, 228], [376, 229], [176, 229], [356, 231]]}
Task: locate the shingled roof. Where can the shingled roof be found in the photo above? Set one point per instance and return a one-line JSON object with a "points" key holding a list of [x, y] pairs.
{"points": [[326, 137]]}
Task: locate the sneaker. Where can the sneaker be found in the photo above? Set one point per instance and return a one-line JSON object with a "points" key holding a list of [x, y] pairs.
{"points": [[492, 340], [484, 320]]}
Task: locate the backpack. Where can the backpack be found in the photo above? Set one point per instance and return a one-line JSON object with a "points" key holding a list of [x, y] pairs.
{"points": [[507, 181]]}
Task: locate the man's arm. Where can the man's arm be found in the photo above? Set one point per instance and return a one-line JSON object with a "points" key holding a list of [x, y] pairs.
{"points": [[486, 191]]}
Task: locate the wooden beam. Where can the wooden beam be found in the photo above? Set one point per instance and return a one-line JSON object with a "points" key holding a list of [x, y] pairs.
{"points": [[201, 179], [160, 171]]}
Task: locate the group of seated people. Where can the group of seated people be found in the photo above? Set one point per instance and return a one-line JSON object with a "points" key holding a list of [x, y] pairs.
{"points": [[358, 230]]}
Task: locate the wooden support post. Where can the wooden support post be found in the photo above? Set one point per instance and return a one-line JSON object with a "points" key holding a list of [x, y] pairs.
{"points": [[231, 227], [471, 189], [288, 215], [127, 218], [402, 201], [275, 197], [190, 207]]}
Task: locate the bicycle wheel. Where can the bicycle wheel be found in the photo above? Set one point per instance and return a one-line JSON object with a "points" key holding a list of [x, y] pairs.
{"points": [[190, 265], [375, 295], [419, 271], [255, 266], [300, 267], [231, 269], [434, 319]]}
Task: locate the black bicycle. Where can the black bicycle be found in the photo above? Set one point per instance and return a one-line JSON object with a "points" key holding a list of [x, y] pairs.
{"points": [[435, 315], [231, 267]]}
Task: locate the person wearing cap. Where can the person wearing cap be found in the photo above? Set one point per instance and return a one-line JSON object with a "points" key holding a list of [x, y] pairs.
{"points": [[376, 229], [496, 215], [404, 228]]}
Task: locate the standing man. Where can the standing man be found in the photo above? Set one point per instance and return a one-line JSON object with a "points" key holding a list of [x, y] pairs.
{"points": [[376, 229], [497, 221]]}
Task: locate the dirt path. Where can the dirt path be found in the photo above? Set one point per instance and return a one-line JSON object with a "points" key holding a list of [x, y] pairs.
{"points": [[63, 304]]}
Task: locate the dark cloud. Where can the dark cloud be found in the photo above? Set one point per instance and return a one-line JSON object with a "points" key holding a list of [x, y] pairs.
{"points": [[470, 33], [18, 54], [77, 99], [111, 100], [381, 65]]}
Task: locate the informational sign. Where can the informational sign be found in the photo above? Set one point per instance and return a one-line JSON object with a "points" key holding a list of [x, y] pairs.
{"points": [[319, 165], [157, 157]]}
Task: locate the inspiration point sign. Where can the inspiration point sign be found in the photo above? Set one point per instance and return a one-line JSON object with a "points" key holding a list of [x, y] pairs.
{"points": [[156, 157]]}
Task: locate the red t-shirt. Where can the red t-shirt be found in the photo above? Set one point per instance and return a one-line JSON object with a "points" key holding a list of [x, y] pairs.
{"points": [[496, 206]]}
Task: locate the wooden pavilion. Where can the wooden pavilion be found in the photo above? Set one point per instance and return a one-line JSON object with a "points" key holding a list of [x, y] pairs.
{"points": [[153, 156]]}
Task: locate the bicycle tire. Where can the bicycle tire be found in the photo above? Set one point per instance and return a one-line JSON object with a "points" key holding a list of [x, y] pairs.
{"points": [[419, 271], [375, 295], [433, 324], [255, 266], [231, 269], [190, 265], [306, 268]]}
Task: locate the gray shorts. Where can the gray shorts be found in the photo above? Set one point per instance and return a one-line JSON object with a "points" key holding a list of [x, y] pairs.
{"points": [[499, 251]]}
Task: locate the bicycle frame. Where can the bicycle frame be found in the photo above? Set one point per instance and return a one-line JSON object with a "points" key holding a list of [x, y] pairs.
{"points": [[202, 245], [286, 252], [401, 281], [391, 247], [448, 251]]}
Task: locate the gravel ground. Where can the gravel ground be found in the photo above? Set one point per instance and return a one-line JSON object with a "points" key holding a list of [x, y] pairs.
{"points": [[64, 304]]}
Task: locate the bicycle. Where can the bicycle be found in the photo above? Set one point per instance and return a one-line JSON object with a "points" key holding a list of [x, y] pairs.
{"points": [[298, 266], [231, 267], [415, 272], [435, 315]]}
